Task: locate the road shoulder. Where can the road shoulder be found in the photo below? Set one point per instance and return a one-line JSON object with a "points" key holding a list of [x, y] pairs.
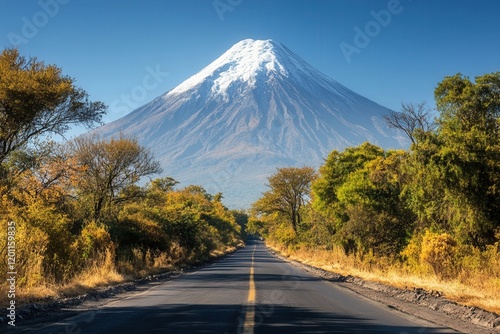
{"points": [[415, 302], [39, 314]]}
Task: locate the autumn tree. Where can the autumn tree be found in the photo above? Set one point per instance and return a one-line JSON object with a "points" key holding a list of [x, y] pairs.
{"points": [[39, 197], [37, 99], [289, 191], [110, 166]]}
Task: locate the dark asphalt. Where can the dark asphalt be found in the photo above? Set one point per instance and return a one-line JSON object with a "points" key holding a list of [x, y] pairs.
{"points": [[214, 300]]}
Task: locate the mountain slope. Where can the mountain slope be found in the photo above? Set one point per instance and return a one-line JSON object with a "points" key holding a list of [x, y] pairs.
{"points": [[255, 108]]}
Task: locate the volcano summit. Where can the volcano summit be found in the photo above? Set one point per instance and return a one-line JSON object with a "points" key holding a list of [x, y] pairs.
{"points": [[255, 108]]}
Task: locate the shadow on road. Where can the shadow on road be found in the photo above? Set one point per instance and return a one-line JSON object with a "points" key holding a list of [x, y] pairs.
{"points": [[213, 300], [285, 319], [223, 319]]}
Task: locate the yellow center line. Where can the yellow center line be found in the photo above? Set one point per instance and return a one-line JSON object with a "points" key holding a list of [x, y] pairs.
{"points": [[249, 324]]}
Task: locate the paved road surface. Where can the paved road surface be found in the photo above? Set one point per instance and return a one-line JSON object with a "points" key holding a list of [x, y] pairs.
{"points": [[248, 292]]}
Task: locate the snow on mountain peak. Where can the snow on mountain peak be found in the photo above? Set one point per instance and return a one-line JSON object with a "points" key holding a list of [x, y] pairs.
{"points": [[242, 62], [255, 108]]}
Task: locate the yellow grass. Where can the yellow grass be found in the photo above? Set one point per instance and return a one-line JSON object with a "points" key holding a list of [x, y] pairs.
{"points": [[482, 292], [101, 274], [104, 272]]}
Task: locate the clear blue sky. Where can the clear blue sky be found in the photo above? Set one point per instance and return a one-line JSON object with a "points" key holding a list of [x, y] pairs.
{"points": [[111, 47]]}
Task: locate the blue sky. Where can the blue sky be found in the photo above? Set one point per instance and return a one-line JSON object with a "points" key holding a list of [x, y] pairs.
{"points": [[125, 53]]}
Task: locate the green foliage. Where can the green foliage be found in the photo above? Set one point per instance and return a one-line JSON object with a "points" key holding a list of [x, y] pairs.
{"points": [[31, 249], [284, 234], [382, 205], [256, 227], [336, 169], [316, 230], [139, 227], [455, 171], [359, 191], [242, 219], [90, 245]]}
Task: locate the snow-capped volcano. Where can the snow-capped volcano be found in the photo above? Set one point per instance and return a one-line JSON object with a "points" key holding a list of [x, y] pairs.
{"points": [[255, 108], [242, 63], [247, 60]]}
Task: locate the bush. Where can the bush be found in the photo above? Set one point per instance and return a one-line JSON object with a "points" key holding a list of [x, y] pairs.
{"points": [[438, 251], [90, 245], [30, 246], [285, 234]]}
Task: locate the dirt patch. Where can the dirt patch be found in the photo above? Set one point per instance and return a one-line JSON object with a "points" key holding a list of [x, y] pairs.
{"points": [[428, 305]]}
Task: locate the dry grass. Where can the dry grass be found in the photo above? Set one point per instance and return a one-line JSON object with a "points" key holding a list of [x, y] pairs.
{"points": [[229, 249], [482, 292], [104, 272]]}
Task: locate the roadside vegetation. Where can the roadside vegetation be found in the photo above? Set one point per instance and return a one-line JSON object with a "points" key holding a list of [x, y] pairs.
{"points": [[82, 217], [428, 217], [88, 212]]}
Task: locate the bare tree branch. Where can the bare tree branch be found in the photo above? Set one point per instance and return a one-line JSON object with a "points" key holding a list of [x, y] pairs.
{"points": [[411, 120]]}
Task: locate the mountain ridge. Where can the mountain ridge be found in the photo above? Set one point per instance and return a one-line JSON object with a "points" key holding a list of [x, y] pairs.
{"points": [[256, 107]]}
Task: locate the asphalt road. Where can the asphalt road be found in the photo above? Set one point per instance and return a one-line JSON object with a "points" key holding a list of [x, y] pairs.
{"points": [[248, 292]]}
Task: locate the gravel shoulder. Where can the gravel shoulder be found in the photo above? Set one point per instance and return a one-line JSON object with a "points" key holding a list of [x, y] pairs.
{"points": [[416, 302]]}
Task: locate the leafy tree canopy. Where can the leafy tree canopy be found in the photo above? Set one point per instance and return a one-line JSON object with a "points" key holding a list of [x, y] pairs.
{"points": [[37, 99], [289, 191]]}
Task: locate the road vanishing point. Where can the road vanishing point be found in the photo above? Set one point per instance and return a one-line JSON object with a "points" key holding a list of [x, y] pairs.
{"points": [[250, 291]]}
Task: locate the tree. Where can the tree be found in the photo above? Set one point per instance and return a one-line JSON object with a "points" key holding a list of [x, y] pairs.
{"points": [[376, 219], [39, 197], [411, 120], [37, 99], [109, 167], [470, 152], [164, 184], [358, 194], [455, 180], [467, 105], [335, 171], [290, 189]]}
